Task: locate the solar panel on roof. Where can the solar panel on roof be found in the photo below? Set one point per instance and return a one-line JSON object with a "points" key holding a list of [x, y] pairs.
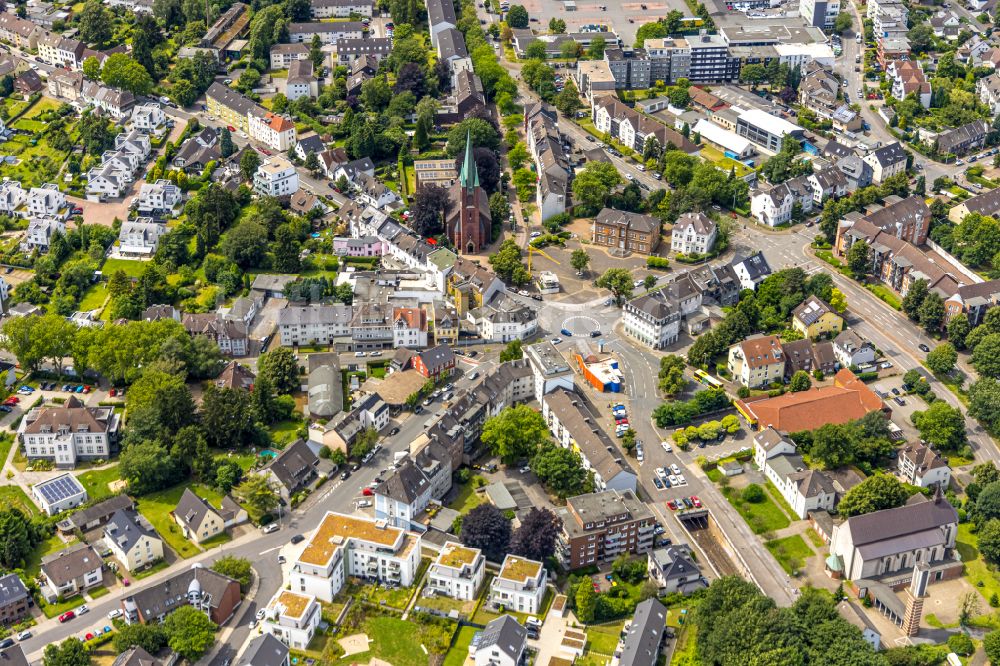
{"points": [[59, 488]]}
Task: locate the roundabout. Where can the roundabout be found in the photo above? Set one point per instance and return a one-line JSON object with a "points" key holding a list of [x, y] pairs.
{"points": [[581, 325]]}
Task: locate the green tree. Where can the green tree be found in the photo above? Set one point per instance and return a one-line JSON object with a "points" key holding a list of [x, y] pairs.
{"points": [[859, 259], [96, 23], [984, 403], [800, 382], [281, 368], [619, 282], [958, 329], [877, 492], [561, 470], [914, 298], [991, 646], [226, 146], [258, 494], [237, 568], [507, 264], [942, 358], [535, 50], [753, 74], [986, 356], [245, 244], [524, 182], [122, 71], [249, 161], [593, 185], [190, 633], [316, 55], [147, 466], [517, 17], [557, 26], [92, 68], [931, 313], [753, 493], [511, 352], [586, 601], [150, 637], [484, 135], [568, 100], [70, 652], [596, 48], [499, 207], [579, 260], [17, 538], [227, 416], [942, 425], [514, 433], [843, 23], [671, 376]]}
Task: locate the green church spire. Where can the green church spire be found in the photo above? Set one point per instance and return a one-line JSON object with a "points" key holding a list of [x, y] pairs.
{"points": [[469, 178]]}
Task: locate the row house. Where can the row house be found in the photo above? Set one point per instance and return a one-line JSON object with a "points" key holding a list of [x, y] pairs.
{"points": [[372, 49], [47, 201], [322, 9], [328, 32], [119, 167], [232, 108], [409, 327], [961, 140], [973, 301], [906, 219], [551, 163], [20, 32], [59, 51], [633, 129], [116, 103], [63, 84], [804, 489], [283, 55], [230, 336]]}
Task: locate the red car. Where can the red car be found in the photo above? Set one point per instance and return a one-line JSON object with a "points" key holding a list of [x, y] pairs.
{"points": [[368, 492], [86, 388], [67, 616], [696, 501], [621, 421], [89, 636], [672, 505], [12, 400], [266, 151], [113, 392], [230, 128]]}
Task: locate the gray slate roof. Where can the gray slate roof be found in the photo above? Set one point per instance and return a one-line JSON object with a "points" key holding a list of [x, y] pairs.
{"points": [[265, 650], [642, 643], [505, 634], [125, 528]]}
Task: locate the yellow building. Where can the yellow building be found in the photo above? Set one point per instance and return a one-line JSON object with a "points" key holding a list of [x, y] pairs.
{"points": [[229, 106], [814, 318], [471, 285]]}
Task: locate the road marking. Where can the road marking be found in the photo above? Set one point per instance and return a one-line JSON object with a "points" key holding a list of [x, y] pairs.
{"points": [[269, 550]]}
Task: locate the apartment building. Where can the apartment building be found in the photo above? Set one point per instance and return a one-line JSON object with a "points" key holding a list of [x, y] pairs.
{"points": [[292, 618], [775, 205], [921, 466], [625, 231], [343, 546], [598, 527], [757, 362], [328, 32], [819, 13], [276, 177], [886, 162], [519, 587], [457, 572], [322, 9], [69, 432], [693, 233], [314, 324]]}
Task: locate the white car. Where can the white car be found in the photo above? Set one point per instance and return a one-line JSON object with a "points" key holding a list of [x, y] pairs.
{"points": [[672, 479], [629, 176], [25, 635], [115, 613], [260, 614], [639, 455], [82, 610], [675, 469], [536, 234], [681, 481], [662, 473], [364, 504], [666, 446]]}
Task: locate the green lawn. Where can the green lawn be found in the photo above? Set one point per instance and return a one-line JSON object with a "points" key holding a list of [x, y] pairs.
{"points": [[159, 565], [29, 125], [41, 106], [14, 496], [94, 298], [131, 268], [815, 538], [886, 295], [604, 639], [157, 507], [393, 640], [460, 650], [98, 592], [284, 433], [780, 501], [791, 552], [51, 545], [96, 482], [6, 441], [244, 459], [56, 609], [977, 572], [467, 498], [761, 517]]}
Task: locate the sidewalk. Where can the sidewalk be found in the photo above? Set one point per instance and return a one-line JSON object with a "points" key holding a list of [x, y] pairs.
{"points": [[222, 638]]}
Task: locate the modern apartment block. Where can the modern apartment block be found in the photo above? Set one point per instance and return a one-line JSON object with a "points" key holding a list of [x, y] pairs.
{"points": [[292, 618], [457, 572], [345, 546], [598, 527], [520, 585]]}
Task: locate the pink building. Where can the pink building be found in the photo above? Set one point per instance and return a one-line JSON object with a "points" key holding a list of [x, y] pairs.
{"points": [[368, 246]]}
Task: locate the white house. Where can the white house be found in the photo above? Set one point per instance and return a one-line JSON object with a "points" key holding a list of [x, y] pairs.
{"points": [[775, 205], [344, 546], [314, 324], [140, 237], [274, 131], [374, 192], [148, 117], [457, 572], [403, 496], [409, 328], [292, 618], [12, 197], [39, 234], [921, 466], [59, 493], [752, 271], [804, 489], [988, 88], [158, 198], [852, 350], [276, 177], [107, 181], [693, 233], [68, 432], [886, 162], [46, 201], [301, 81], [70, 571], [520, 585], [502, 642], [134, 543]]}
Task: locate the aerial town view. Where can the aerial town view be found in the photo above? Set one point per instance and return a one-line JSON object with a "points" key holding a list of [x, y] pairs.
{"points": [[499, 333]]}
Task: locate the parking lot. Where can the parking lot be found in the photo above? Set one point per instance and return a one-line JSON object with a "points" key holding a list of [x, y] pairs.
{"points": [[623, 18]]}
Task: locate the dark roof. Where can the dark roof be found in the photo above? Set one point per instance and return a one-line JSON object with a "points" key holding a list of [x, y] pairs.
{"points": [[437, 357], [293, 464], [101, 511], [901, 521], [69, 564], [405, 484], [311, 144], [987, 203], [643, 223], [13, 656], [642, 643], [265, 650], [135, 656], [125, 529], [441, 11], [676, 561], [756, 265], [504, 633], [191, 509], [969, 132], [12, 590], [890, 154], [167, 595], [451, 44]]}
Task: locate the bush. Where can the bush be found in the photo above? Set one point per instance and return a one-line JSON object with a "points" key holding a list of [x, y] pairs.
{"points": [[961, 645], [657, 262], [753, 494]]}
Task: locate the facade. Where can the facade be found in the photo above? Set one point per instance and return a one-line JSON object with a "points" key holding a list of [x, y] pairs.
{"points": [[341, 8], [921, 466], [158, 198], [457, 572], [693, 233], [345, 546], [814, 318], [965, 139], [751, 271], [14, 599], [328, 32], [520, 585], [314, 324], [200, 521], [293, 469], [468, 223], [626, 232], [549, 368], [886, 161], [598, 527], [292, 618], [140, 237], [301, 81], [231, 336], [502, 642], [134, 543], [403, 496], [674, 569], [757, 362], [776, 205], [852, 350], [69, 432], [819, 13], [276, 177], [70, 571], [767, 131]]}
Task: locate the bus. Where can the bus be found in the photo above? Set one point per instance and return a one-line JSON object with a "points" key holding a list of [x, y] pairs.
{"points": [[707, 379]]}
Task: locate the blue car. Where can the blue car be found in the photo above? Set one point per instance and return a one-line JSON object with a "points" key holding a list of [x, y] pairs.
{"points": [[27, 388], [567, 333], [79, 389]]}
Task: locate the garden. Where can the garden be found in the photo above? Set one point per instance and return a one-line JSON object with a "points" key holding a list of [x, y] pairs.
{"points": [[157, 508]]}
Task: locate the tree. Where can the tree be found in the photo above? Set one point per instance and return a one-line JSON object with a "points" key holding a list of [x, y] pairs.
{"points": [[753, 493], [843, 23], [986, 356], [984, 403], [237, 568], [942, 425], [991, 646], [17, 537], [227, 416], [511, 352], [596, 48], [535, 50], [507, 264], [486, 528], [483, 133], [499, 207], [518, 156], [859, 259], [961, 644], [877, 492], [430, 205], [517, 17], [561, 470], [579, 260], [147, 466], [228, 474], [593, 185], [150, 637], [70, 652], [226, 146], [568, 100], [96, 23], [942, 358], [146, 36], [281, 369], [245, 244], [914, 298], [524, 182], [586, 600], [800, 382], [931, 313], [753, 74], [249, 162], [190, 633], [92, 68], [122, 71], [536, 538], [258, 494], [316, 55], [958, 329], [837, 300], [557, 26], [619, 282], [672, 380], [487, 167], [514, 433], [988, 538]]}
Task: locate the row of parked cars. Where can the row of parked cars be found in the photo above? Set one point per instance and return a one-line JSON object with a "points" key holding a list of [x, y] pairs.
{"points": [[684, 503]]}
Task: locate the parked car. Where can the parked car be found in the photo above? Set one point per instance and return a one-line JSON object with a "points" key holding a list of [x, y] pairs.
{"points": [[566, 332], [696, 501], [67, 616], [298, 538], [6, 643], [25, 635], [82, 610], [346, 474], [658, 483], [270, 527], [367, 492]]}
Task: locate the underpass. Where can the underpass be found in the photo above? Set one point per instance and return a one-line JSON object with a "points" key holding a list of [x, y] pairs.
{"points": [[701, 528]]}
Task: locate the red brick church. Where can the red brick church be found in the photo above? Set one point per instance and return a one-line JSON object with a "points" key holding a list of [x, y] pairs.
{"points": [[468, 222]]}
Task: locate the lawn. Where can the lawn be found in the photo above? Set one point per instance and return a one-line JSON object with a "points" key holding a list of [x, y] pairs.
{"points": [[460, 650], [96, 482], [15, 497], [977, 572], [41, 106], [776, 496], [244, 459], [51, 545], [93, 298], [761, 517], [604, 639], [791, 552], [467, 498], [284, 433], [393, 640], [98, 592], [720, 160], [157, 507], [6, 441], [886, 295], [56, 609], [131, 268], [815, 538], [29, 125]]}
